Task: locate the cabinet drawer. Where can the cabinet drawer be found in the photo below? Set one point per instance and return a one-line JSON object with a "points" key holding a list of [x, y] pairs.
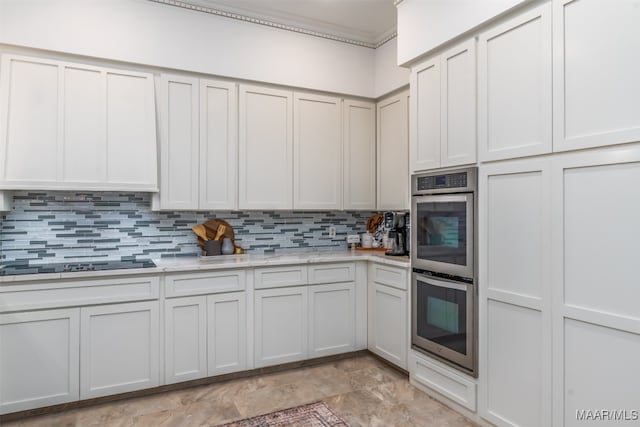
{"points": [[56, 294], [390, 276], [276, 277], [177, 285], [332, 273]]}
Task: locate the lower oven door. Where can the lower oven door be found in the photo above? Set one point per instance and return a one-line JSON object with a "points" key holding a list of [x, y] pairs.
{"points": [[443, 320]]}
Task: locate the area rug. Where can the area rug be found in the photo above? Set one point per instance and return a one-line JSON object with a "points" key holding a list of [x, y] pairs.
{"points": [[315, 414]]}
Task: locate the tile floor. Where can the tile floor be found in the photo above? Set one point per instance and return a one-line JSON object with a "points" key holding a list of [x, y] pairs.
{"points": [[361, 390]]}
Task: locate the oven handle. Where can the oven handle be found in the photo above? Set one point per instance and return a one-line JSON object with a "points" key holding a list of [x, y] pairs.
{"points": [[443, 283]]}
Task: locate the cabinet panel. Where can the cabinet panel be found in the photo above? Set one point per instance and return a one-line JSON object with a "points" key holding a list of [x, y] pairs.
{"points": [[388, 323], [275, 277], [218, 145], [39, 363], [265, 148], [131, 129], [30, 95], [595, 73], [185, 332], [458, 105], [179, 142], [425, 115], [119, 348], [331, 319], [393, 153], [317, 148], [280, 325], [514, 87], [227, 333], [359, 148]]}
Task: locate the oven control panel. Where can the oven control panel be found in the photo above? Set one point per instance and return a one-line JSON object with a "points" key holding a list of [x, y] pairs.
{"points": [[436, 182]]}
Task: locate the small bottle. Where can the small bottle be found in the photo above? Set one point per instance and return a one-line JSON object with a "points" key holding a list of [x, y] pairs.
{"points": [[227, 246]]}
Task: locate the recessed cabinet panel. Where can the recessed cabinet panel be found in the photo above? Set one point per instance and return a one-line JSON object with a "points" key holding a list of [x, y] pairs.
{"points": [[331, 319], [425, 116], [31, 120], [388, 317], [227, 333], [514, 87], [595, 84], [185, 332], [265, 148], [359, 147], [317, 147]]}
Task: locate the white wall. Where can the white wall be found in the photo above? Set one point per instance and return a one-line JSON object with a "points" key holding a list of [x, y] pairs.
{"points": [[424, 25], [154, 34], [388, 76]]}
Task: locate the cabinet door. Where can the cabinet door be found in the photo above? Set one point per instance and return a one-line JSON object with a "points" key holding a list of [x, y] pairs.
{"points": [[514, 87], [388, 323], [39, 359], [359, 148], [317, 148], [331, 319], [425, 115], [280, 325], [393, 153], [227, 333], [265, 148], [218, 145], [185, 339], [596, 90], [119, 348], [458, 105], [178, 142]]}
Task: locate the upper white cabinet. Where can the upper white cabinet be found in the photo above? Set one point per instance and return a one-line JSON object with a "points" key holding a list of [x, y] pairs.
{"points": [[514, 87], [393, 153], [317, 150], [595, 73], [359, 153], [74, 126], [265, 148], [198, 134], [443, 109]]}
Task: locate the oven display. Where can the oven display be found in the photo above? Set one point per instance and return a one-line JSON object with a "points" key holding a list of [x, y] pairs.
{"points": [[453, 180]]}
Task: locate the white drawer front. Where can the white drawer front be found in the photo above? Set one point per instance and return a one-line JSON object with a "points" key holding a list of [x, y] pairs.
{"points": [[390, 276], [276, 277], [332, 273], [78, 292], [212, 282]]}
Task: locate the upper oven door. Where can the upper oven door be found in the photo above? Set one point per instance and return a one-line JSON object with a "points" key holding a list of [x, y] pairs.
{"points": [[442, 234]]}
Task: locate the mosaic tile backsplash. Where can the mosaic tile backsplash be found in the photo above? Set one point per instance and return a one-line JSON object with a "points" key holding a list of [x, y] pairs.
{"points": [[61, 226]]}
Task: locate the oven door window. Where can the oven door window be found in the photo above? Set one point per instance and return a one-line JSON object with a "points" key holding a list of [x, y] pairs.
{"points": [[441, 229], [442, 316]]}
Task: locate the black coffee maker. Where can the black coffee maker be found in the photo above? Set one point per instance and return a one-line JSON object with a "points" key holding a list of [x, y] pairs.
{"points": [[398, 225]]}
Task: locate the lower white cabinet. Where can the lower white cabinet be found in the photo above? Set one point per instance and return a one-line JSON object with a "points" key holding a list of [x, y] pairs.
{"points": [[280, 325], [226, 333], [332, 318], [119, 348], [38, 359], [388, 323]]}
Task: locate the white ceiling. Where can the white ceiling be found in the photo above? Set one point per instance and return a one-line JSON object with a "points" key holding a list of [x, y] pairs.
{"points": [[366, 21]]}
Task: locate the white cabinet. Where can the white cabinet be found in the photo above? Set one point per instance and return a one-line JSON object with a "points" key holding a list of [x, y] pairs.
{"points": [[388, 313], [443, 109], [393, 153], [39, 359], [514, 87], [119, 348], [226, 333], [198, 134], [265, 148], [95, 129], [317, 148], [280, 326], [185, 334], [332, 318], [359, 153], [596, 90]]}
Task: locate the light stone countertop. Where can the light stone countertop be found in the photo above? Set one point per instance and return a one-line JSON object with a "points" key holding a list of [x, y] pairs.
{"points": [[187, 264]]}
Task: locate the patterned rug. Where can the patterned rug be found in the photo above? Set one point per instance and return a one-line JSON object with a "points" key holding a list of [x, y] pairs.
{"points": [[315, 414]]}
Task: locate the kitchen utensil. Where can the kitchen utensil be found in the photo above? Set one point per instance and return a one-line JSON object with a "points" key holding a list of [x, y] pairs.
{"points": [[220, 232], [200, 231]]}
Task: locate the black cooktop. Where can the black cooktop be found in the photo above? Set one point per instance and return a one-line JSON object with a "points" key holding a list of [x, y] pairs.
{"points": [[19, 268]]}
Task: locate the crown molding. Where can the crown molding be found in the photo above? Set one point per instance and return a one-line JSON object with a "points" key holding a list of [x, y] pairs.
{"points": [[258, 21]]}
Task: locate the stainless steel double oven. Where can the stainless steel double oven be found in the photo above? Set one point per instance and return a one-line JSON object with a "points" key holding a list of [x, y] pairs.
{"points": [[443, 258]]}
